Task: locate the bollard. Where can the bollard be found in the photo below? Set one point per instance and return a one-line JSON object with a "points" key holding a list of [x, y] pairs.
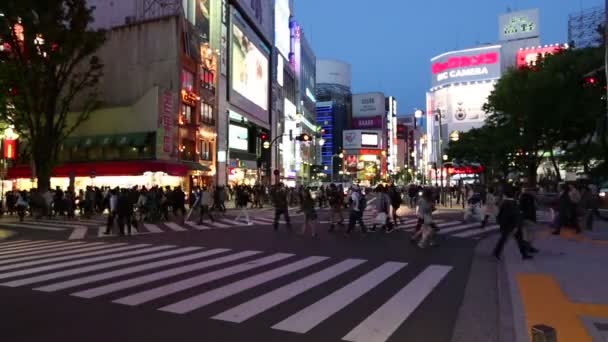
{"points": [[543, 333]]}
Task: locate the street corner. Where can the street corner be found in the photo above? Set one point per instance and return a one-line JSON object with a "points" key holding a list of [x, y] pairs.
{"points": [[545, 303]]}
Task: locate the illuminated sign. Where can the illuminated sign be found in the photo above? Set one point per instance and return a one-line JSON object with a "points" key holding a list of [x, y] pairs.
{"points": [[466, 65], [370, 152], [10, 148], [364, 123], [282, 37], [369, 139], [190, 98], [310, 95], [519, 25], [527, 57], [369, 104]]}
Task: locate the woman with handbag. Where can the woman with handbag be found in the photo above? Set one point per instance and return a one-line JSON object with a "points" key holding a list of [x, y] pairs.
{"points": [[383, 205], [424, 235]]}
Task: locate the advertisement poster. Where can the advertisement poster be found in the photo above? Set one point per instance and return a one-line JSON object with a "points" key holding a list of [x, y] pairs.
{"points": [[282, 34], [166, 133], [203, 17], [468, 65], [249, 69], [369, 104], [466, 102], [238, 137]]}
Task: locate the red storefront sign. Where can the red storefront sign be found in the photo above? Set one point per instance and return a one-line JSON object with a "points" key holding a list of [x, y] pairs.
{"points": [[10, 148], [370, 152], [366, 123], [529, 56], [466, 61]]}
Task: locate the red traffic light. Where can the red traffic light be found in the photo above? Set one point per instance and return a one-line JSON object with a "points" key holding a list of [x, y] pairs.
{"points": [[590, 80], [264, 136]]}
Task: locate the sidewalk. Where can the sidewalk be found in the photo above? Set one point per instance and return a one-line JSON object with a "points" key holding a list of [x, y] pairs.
{"points": [[564, 287]]}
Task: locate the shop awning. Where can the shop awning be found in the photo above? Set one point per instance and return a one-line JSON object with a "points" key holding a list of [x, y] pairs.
{"points": [[110, 168]]}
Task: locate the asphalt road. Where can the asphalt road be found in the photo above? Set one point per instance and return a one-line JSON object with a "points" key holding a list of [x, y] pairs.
{"points": [[233, 283]]}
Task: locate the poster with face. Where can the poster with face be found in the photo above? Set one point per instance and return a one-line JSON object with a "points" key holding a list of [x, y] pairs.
{"points": [[249, 69], [466, 102], [203, 17]]}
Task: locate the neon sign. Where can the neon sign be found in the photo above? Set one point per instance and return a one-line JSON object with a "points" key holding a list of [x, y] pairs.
{"points": [[466, 61]]}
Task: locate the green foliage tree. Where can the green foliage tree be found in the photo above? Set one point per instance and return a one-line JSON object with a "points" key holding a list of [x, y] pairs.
{"points": [[46, 66]]}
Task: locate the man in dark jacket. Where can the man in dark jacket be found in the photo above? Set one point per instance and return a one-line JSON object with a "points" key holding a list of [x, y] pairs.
{"points": [[124, 209], [509, 218], [279, 198]]}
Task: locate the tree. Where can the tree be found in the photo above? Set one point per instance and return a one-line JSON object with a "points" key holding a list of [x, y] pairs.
{"points": [[48, 64], [547, 106]]}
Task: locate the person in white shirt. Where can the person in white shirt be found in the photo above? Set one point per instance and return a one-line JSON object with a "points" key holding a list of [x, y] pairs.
{"points": [[204, 202], [358, 205]]}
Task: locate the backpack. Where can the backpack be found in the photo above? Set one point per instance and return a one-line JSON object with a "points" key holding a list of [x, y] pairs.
{"points": [[362, 203]]}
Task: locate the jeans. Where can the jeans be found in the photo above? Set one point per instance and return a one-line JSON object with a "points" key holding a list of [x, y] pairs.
{"points": [[355, 216], [277, 214]]}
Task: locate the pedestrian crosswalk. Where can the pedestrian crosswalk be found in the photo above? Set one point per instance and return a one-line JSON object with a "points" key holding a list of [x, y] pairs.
{"points": [[229, 285]]}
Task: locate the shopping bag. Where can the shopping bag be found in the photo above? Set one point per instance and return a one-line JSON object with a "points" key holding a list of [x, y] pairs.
{"points": [[381, 219], [404, 210]]}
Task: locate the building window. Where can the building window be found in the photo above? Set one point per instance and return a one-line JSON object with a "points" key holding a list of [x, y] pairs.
{"points": [[206, 150], [186, 117], [187, 80], [206, 113], [207, 79]]}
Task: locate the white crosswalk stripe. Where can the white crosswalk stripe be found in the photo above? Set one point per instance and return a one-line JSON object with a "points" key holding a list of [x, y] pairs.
{"points": [[29, 248], [35, 226], [126, 269], [478, 231], [63, 250]]}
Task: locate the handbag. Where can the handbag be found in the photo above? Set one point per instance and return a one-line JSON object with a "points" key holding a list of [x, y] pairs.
{"points": [[381, 218]]}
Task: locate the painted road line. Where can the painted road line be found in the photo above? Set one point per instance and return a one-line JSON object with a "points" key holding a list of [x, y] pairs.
{"points": [[29, 226], [102, 229], [162, 291], [128, 283], [76, 248], [271, 299], [215, 295], [130, 270], [198, 226], [219, 224], [20, 249], [381, 324], [175, 227], [458, 227], [60, 224], [14, 243], [310, 317], [55, 275], [470, 233], [78, 233], [442, 224], [66, 264], [152, 228]]}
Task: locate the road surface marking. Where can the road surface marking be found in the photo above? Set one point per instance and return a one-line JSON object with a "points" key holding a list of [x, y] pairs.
{"points": [[175, 227], [470, 233], [152, 228], [215, 295], [18, 243], [310, 317], [29, 226], [198, 226], [55, 275], [66, 264], [78, 233], [64, 250], [459, 227], [271, 299], [381, 324], [162, 291], [128, 283], [43, 246], [130, 270]]}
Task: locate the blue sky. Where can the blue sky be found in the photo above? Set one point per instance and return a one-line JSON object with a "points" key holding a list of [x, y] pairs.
{"points": [[390, 42]]}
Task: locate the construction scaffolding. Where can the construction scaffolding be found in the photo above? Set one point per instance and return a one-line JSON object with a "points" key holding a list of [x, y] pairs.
{"points": [[584, 27]]}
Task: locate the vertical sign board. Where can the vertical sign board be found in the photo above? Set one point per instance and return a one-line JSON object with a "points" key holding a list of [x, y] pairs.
{"points": [[519, 25], [165, 136]]}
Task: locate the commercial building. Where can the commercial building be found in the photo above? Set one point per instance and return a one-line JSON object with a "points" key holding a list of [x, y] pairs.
{"points": [[157, 125], [334, 108]]}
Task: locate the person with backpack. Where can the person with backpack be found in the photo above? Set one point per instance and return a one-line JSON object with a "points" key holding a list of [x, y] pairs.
{"points": [[358, 205], [509, 218], [336, 201]]}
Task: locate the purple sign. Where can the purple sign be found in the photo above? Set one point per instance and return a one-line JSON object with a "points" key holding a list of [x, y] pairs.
{"points": [[365, 123]]}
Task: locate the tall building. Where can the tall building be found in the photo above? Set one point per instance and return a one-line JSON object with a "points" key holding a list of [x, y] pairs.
{"points": [[157, 125], [584, 27], [334, 108]]}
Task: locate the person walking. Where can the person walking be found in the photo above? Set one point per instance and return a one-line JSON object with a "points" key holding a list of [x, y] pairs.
{"points": [[425, 227], [113, 206], [279, 198], [358, 205], [395, 198], [204, 202], [565, 211], [125, 211], [336, 201], [242, 199], [179, 202], [382, 209], [527, 207], [590, 202], [509, 218], [490, 208], [310, 214]]}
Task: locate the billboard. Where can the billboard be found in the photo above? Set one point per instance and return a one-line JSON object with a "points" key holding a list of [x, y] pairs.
{"points": [[331, 71], [260, 12], [465, 103], [529, 56], [366, 123], [468, 65], [249, 77], [238, 137], [203, 18], [282, 39], [368, 104], [519, 25], [355, 139]]}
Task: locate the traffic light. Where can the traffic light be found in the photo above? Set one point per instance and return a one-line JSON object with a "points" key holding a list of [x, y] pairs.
{"points": [[264, 136], [305, 137]]}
